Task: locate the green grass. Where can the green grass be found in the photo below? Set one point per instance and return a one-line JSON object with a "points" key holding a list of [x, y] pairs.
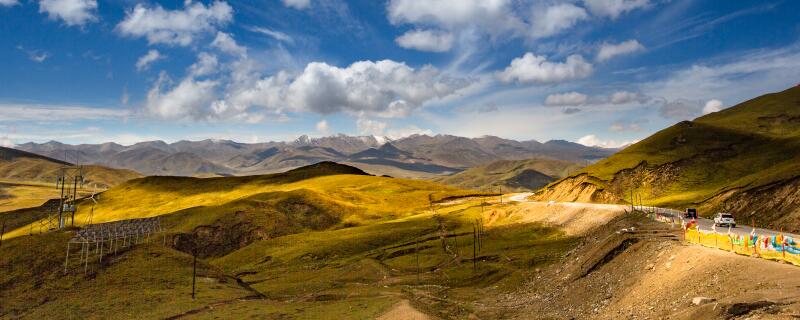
{"points": [[332, 245], [749, 145]]}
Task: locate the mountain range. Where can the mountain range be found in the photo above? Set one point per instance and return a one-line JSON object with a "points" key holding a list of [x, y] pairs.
{"points": [[416, 156]]}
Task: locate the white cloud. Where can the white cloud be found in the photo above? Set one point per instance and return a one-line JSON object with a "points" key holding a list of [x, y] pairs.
{"points": [[494, 16], [566, 99], [398, 133], [680, 109], [711, 106], [175, 27], [614, 8], [635, 125], [35, 55], [6, 142], [277, 35], [146, 60], [608, 50], [625, 97], [574, 99], [593, 141], [72, 12], [43, 112], [297, 4], [227, 44], [426, 40], [531, 68], [371, 127], [206, 64], [8, 3], [554, 19], [748, 75], [384, 88], [323, 127], [189, 99]]}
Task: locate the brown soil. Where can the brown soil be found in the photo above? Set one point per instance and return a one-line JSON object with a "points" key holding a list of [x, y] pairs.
{"points": [[637, 269]]}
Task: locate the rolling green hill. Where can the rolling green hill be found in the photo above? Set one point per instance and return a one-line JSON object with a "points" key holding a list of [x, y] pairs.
{"points": [[511, 175], [744, 160]]}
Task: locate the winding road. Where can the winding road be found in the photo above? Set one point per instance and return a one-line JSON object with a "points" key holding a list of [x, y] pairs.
{"points": [[704, 223]]}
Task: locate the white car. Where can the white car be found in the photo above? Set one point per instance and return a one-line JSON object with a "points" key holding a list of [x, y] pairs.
{"points": [[724, 219]]}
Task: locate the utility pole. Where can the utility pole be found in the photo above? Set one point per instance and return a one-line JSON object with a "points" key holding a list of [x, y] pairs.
{"points": [[2, 231], [474, 251], [74, 198], [416, 251], [430, 201], [500, 188], [194, 266]]}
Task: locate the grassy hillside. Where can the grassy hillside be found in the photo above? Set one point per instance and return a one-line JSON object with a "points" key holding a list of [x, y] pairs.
{"points": [[512, 175], [726, 160], [320, 241], [24, 166], [341, 185]]}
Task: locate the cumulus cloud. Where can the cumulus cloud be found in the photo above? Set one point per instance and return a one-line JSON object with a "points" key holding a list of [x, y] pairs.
{"points": [[190, 98], [566, 99], [426, 40], [227, 44], [323, 127], [206, 64], [6, 142], [531, 68], [146, 60], [680, 109], [556, 18], [614, 8], [277, 35], [384, 88], [574, 99], [608, 50], [711, 106], [593, 141], [8, 3], [174, 27], [625, 97], [297, 4], [370, 127], [71, 12], [494, 16]]}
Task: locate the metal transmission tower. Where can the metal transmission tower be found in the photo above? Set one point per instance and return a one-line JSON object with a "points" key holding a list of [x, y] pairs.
{"points": [[70, 179]]}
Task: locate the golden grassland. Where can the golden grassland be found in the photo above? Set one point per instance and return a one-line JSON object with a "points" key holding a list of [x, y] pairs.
{"points": [[25, 194], [336, 246]]}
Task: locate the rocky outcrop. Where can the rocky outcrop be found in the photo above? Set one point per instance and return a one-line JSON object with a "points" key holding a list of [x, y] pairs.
{"points": [[580, 188]]}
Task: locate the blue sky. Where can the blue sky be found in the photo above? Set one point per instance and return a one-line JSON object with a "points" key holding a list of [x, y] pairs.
{"points": [[599, 72]]}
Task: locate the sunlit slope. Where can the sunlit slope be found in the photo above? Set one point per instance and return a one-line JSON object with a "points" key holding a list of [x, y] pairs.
{"points": [[722, 161], [344, 185], [19, 165], [511, 175]]}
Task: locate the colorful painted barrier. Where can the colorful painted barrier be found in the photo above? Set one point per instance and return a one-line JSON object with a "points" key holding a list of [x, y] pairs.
{"points": [[779, 248]]}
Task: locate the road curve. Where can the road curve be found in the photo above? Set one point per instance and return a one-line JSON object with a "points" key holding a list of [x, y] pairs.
{"points": [[703, 223]]}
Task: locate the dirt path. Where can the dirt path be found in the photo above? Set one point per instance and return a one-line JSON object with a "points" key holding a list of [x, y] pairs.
{"points": [[403, 311]]}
